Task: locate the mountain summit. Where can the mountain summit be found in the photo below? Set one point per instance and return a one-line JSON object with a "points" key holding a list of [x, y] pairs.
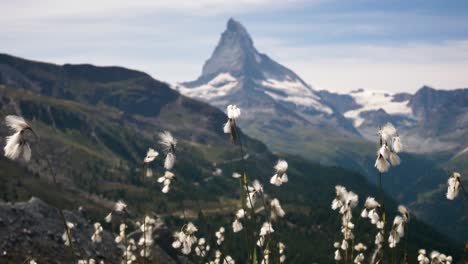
{"points": [[236, 65], [271, 95]]}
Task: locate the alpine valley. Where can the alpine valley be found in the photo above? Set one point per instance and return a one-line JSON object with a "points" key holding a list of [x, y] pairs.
{"points": [[95, 124]]}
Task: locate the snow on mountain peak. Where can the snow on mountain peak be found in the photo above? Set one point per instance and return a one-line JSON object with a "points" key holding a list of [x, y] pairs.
{"points": [[293, 91], [219, 86], [370, 100]]}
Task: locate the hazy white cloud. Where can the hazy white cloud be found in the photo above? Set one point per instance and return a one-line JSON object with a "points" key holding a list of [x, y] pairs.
{"points": [[171, 39], [33, 9], [399, 67]]}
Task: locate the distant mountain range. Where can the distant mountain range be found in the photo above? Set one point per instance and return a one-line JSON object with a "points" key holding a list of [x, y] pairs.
{"points": [[341, 128], [275, 98], [95, 125]]}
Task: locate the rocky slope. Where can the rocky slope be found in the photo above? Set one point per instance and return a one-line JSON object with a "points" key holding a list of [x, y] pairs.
{"points": [[34, 229]]}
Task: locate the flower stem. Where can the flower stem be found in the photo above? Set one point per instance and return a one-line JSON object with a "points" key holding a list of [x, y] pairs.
{"points": [[62, 216], [463, 189]]}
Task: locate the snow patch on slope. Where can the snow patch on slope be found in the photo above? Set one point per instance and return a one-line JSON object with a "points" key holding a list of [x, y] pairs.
{"points": [[219, 86], [375, 100], [294, 91]]}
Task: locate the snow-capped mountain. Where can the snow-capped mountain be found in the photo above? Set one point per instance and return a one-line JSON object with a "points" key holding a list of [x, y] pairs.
{"points": [[279, 107], [271, 95], [431, 120], [236, 65]]}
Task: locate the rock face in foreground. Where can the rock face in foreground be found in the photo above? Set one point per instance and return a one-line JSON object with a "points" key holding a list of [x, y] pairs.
{"points": [[34, 229]]}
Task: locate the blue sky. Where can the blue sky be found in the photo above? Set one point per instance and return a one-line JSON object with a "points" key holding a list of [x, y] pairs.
{"points": [[337, 45]]}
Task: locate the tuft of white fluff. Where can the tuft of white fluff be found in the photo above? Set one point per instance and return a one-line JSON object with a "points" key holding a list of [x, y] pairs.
{"points": [[169, 161], [387, 132], [278, 180], [382, 164], [167, 141], [233, 111], [280, 177], [397, 146], [237, 226], [227, 127], [371, 203], [16, 123], [108, 218], [16, 146], [337, 255], [13, 146], [404, 213], [236, 175], [281, 166], [276, 209], [394, 159], [453, 186], [97, 236], [384, 151], [150, 155]]}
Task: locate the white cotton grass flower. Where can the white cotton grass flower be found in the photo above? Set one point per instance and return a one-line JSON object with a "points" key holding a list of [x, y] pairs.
{"points": [[150, 156], [382, 164], [32, 261], [337, 256], [281, 249], [390, 145], [266, 256], [394, 159], [253, 192], [146, 240], [384, 151], [237, 224], [16, 144], [360, 247], [185, 238], [280, 177], [121, 237], [68, 231], [422, 258], [169, 144], [169, 161], [404, 213], [359, 258], [108, 218], [435, 257], [166, 180], [398, 227], [265, 230], [119, 206], [276, 209], [397, 145], [370, 211], [167, 141], [387, 132], [454, 184], [202, 248], [233, 112], [236, 175], [97, 235], [129, 254], [220, 235]]}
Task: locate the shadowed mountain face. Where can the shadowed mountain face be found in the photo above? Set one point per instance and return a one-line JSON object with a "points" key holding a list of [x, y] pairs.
{"points": [[95, 125]]}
